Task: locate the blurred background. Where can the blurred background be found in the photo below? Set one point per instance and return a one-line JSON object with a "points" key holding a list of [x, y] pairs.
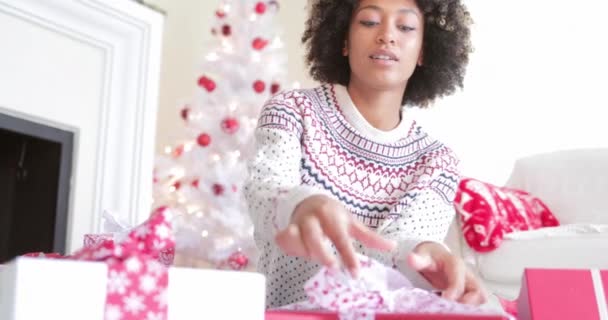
{"points": [[536, 81]]}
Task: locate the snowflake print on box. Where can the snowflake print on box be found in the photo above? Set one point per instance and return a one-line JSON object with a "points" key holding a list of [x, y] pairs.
{"points": [[137, 281]]}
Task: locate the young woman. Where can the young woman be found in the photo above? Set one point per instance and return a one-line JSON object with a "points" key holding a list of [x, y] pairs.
{"points": [[342, 168]]}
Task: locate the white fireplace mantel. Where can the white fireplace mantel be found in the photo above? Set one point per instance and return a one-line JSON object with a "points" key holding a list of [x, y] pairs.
{"points": [[91, 67]]}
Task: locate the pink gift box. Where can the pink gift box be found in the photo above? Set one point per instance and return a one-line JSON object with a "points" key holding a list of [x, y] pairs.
{"points": [[320, 315], [558, 294]]}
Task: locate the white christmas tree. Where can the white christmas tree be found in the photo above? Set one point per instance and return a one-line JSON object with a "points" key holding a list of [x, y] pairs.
{"points": [[202, 174]]}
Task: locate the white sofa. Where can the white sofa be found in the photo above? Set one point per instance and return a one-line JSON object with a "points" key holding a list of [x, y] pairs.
{"points": [[574, 185]]}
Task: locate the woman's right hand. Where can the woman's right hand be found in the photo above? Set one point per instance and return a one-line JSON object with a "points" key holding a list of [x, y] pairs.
{"points": [[318, 218]]}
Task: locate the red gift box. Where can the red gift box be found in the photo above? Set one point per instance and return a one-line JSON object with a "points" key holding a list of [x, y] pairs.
{"points": [[563, 294], [321, 315]]}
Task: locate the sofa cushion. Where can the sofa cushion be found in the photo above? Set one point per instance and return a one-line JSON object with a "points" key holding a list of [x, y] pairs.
{"points": [[573, 183], [488, 212]]}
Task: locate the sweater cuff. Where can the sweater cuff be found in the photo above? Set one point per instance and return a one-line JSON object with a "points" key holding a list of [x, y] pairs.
{"points": [[288, 203], [404, 248]]}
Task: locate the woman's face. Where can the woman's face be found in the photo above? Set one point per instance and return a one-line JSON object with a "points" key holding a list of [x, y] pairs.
{"points": [[384, 42]]}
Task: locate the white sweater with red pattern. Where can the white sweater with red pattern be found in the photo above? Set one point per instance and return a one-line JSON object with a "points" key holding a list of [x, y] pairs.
{"points": [[401, 183]]}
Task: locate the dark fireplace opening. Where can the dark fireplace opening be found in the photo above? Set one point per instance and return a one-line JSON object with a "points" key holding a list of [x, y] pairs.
{"points": [[35, 170]]}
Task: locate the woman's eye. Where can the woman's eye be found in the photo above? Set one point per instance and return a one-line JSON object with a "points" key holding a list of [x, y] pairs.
{"points": [[368, 23], [406, 28]]}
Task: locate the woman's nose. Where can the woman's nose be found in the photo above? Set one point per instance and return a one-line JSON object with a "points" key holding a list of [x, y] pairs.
{"points": [[386, 36]]}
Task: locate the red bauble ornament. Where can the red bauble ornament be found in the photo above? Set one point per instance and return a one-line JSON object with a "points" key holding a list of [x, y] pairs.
{"points": [[177, 185], [226, 30], [259, 86], [238, 261], [195, 183], [274, 88], [260, 7], [184, 113], [259, 43], [230, 125], [220, 13], [218, 189], [203, 139], [234, 188], [206, 83]]}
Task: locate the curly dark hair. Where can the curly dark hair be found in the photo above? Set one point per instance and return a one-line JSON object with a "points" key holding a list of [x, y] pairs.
{"points": [[446, 47]]}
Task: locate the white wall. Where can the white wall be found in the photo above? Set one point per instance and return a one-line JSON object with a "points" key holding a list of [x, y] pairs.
{"points": [[536, 81]]}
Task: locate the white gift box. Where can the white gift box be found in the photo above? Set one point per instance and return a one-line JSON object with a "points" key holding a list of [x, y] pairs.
{"points": [[37, 288]]}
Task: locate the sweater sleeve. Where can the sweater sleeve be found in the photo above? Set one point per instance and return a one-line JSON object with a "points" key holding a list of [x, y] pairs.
{"points": [[274, 185], [423, 214]]}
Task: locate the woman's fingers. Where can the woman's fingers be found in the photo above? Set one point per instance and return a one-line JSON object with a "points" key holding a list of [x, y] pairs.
{"points": [[314, 241], [369, 238], [455, 274], [474, 293], [473, 298], [326, 219], [422, 262], [338, 234], [290, 241]]}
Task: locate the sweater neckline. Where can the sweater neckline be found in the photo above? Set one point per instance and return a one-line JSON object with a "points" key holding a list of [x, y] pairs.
{"points": [[352, 115]]}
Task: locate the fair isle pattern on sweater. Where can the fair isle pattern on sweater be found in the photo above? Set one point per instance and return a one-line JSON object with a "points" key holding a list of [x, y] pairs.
{"points": [[400, 183]]}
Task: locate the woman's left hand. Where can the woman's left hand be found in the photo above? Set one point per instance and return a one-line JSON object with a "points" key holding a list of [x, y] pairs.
{"points": [[448, 273]]}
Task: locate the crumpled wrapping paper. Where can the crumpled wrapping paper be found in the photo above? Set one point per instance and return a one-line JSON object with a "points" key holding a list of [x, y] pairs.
{"points": [[378, 289]]}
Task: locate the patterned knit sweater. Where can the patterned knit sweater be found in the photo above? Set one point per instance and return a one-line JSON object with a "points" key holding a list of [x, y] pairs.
{"points": [[401, 183]]}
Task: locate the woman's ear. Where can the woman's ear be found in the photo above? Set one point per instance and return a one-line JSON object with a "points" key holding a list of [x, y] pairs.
{"points": [[420, 58], [345, 49]]}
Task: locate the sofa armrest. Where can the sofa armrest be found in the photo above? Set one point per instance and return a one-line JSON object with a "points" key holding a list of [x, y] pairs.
{"points": [[573, 183]]}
